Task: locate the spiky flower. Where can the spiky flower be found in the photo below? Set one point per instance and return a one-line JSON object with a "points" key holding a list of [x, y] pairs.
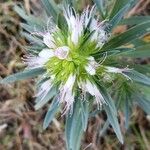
{"points": [[68, 57]]}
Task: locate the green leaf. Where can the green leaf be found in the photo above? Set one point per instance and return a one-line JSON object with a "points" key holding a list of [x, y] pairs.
{"points": [[134, 20], [112, 118], [27, 27], [127, 112], [100, 7], [119, 15], [128, 36], [104, 129], [111, 112], [62, 24], [145, 69], [138, 77], [143, 103], [108, 99], [33, 39], [23, 75], [51, 113], [119, 4], [37, 22], [42, 101], [51, 8], [84, 114], [21, 12], [114, 52], [73, 128], [69, 2], [140, 52]]}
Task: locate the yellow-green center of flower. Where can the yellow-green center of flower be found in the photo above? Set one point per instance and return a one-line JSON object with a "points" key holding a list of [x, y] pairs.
{"points": [[70, 58]]}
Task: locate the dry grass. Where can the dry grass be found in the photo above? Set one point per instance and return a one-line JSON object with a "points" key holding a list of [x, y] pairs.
{"points": [[21, 125]]}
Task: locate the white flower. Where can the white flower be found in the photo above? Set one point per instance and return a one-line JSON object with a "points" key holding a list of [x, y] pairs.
{"points": [[61, 45], [77, 23], [92, 89], [66, 93], [91, 66], [48, 40], [117, 70], [87, 16], [62, 52], [38, 61]]}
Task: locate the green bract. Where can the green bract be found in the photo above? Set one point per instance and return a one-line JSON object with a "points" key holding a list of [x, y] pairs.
{"points": [[80, 63]]}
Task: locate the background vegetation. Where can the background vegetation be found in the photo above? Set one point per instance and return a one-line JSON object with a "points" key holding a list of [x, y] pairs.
{"points": [[21, 125]]}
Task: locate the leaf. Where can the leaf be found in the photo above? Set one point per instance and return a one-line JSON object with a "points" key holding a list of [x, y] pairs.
{"points": [[104, 129], [21, 12], [127, 112], [100, 7], [111, 112], [119, 15], [143, 103], [108, 99], [138, 77], [62, 24], [32, 39], [23, 75], [84, 114], [134, 20], [113, 53], [140, 52], [118, 5], [51, 112], [128, 36], [73, 128], [122, 94], [69, 2], [51, 8], [145, 69], [27, 27], [37, 22], [112, 118], [42, 101]]}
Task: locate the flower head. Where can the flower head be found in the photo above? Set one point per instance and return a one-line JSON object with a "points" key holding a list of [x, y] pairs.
{"points": [[68, 57]]}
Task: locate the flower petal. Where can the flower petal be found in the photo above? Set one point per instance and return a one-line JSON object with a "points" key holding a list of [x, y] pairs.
{"points": [[90, 69], [48, 40], [62, 52], [118, 70], [75, 24], [91, 66], [92, 89], [66, 93], [46, 53]]}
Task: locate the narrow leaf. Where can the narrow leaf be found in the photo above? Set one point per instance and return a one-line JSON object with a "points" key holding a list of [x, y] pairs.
{"points": [[51, 113], [74, 128], [128, 36], [23, 75], [143, 103], [100, 7], [138, 77], [119, 4], [140, 52], [44, 100], [134, 20], [85, 114], [51, 8], [119, 15], [111, 112]]}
